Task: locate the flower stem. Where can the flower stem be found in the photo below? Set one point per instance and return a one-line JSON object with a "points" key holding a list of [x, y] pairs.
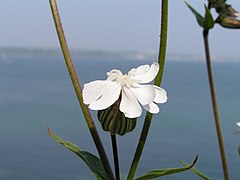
{"points": [[214, 105], [161, 61], [78, 91], [115, 156]]}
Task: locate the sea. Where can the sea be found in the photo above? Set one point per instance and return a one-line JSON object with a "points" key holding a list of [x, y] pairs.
{"points": [[36, 93]]}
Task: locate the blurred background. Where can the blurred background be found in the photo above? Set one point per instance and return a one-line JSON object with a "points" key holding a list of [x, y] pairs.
{"points": [[36, 92], [113, 26]]}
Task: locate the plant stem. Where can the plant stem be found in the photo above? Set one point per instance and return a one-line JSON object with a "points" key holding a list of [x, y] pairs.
{"points": [[161, 61], [78, 91], [114, 140], [214, 105], [115, 156], [163, 42]]}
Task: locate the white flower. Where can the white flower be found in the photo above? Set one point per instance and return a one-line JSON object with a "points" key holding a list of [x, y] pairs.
{"points": [[238, 124], [131, 88]]}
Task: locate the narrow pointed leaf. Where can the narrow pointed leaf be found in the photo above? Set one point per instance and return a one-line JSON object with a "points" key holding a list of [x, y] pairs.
{"points": [[93, 162], [197, 172], [198, 16], [208, 22], [164, 172]]}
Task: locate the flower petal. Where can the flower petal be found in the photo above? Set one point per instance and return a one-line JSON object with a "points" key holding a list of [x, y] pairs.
{"points": [[94, 90], [160, 95], [145, 94], [106, 94], [144, 73], [129, 105], [152, 108]]}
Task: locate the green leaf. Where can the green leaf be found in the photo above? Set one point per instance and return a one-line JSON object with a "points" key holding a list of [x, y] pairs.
{"points": [[93, 162], [164, 172], [198, 16], [197, 172], [208, 22]]}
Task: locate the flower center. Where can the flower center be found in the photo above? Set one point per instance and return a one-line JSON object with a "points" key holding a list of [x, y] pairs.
{"points": [[124, 80]]}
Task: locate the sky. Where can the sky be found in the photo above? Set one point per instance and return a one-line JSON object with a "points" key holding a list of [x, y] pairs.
{"points": [[122, 25]]}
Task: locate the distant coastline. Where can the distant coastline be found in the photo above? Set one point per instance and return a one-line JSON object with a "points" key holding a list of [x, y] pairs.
{"points": [[6, 53]]}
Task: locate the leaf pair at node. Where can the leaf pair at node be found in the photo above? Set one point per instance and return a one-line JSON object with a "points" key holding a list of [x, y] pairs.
{"points": [[207, 22]]}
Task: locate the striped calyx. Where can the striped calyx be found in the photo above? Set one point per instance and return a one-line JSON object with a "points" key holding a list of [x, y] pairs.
{"points": [[114, 121]]}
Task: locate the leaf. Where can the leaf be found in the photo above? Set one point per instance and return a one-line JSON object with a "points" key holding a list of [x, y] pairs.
{"points": [[164, 172], [93, 162], [197, 172], [208, 22], [198, 16]]}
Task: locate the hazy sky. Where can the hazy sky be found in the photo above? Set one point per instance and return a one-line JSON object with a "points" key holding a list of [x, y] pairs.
{"points": [[111, 25]]}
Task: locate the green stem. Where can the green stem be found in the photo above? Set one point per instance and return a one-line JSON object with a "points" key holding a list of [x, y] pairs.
{"points": [[214, 105], [115, 156], [161, 61], [114, 140], [77, 88]]}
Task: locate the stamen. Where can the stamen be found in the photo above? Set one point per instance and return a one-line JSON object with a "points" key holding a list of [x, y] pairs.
{"points": [[124, 80]]}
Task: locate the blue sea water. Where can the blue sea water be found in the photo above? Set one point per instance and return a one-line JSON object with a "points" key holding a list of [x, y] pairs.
{"points": [[36, 93]]}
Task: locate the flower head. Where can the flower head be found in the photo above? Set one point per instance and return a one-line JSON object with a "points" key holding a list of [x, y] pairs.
{"points": [[131, 88]]}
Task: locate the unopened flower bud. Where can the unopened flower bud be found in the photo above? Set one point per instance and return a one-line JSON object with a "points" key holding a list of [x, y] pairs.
{"points": [[231, 12], [114, 121], [229, 22], [227, 10]]}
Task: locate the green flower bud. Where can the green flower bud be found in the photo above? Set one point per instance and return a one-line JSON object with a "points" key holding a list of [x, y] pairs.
{"points": [[229, 22], [114, 121], [228, 10], [227, 16], [231, 12]]}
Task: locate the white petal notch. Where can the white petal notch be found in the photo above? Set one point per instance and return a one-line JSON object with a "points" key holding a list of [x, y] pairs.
{"points": [[132, 90]]}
